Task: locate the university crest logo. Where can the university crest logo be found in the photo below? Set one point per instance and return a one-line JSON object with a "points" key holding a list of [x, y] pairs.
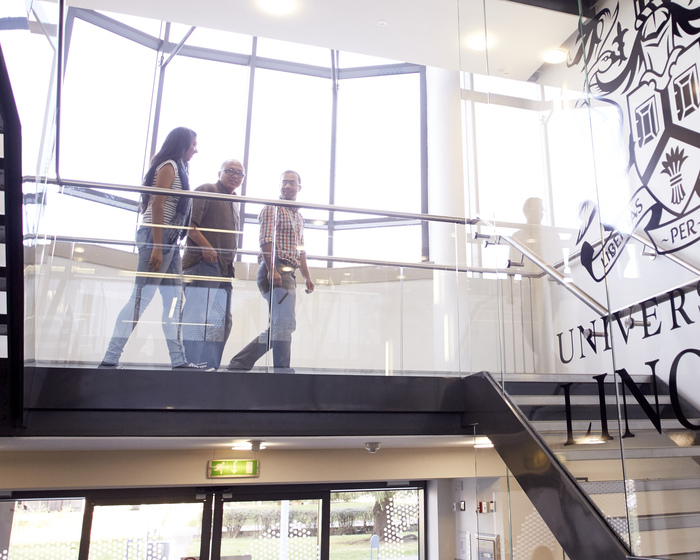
{"points": [[656, 86]]}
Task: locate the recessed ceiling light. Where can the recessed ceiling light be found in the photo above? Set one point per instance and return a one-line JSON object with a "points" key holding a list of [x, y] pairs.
{"points": [[279, 7], [555, 56], [480, 42], [251, 445], [482, 443], [382, 23]]}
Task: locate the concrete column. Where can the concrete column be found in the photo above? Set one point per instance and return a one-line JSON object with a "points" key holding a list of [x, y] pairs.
{"points": [[7, 514]]}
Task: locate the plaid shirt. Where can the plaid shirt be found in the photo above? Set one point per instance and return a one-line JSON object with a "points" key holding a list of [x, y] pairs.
{"points": [[289, 242]]}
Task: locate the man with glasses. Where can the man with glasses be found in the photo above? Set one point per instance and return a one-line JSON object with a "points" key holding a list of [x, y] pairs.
{"points": [[211, 249], [281, 254]]}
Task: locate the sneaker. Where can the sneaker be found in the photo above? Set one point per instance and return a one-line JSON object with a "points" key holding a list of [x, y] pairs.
{"points": [[190, 365], [107, 365]]}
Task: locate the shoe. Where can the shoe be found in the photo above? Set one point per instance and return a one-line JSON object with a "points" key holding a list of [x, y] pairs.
{"points": [[106, 365], [233, 366], [190, 365]]}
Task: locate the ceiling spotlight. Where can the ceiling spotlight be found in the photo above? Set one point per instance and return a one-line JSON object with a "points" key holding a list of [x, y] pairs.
{"points": [[482, 443], [372, 446], [382, 23], [253, 445], [480, 42], [278, 7], [555, 56]]}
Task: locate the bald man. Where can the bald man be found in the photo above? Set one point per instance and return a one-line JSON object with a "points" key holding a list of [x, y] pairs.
{"points": [[211, 249]]}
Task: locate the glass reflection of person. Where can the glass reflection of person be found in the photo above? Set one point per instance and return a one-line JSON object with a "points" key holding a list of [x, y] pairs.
{"points": [[164, 222], [539, 239], [537, 311], [281, 254]]}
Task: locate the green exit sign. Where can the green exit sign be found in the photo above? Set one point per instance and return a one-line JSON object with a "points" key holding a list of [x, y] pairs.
{"points": [[231, 468]]}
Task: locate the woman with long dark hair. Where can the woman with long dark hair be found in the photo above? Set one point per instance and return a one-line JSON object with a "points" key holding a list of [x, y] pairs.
{"points": [[164, 223]]}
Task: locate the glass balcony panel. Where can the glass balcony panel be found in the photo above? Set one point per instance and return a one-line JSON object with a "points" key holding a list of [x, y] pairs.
{"points": [[351, 323], [366, 314], [648, 262], [541, 207]]}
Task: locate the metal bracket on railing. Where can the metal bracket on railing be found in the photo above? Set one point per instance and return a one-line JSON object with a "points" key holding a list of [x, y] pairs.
{"points": [[553, 273], [515, 264], [631, 323], [496, 241], [648, 251], [648, 245]]}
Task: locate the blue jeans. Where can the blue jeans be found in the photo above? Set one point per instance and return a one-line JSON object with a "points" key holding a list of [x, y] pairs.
{"points": [[283, 321], [144, 289], [206, 315]]}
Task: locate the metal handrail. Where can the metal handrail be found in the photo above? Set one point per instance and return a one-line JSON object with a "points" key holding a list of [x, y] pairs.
{"points": [[251, 200], [547, 269], [347, 260], [553, 273]]}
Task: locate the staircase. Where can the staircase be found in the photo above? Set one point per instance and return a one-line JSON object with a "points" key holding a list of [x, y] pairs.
{"points": [[11, 257], [662, 470]]}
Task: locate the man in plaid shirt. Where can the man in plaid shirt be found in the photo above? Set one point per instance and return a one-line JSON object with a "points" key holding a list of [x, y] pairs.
{"points": [[282, 253]]}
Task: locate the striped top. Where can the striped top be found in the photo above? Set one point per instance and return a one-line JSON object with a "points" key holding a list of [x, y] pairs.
{"points": [[170, 202], [289, 241]]}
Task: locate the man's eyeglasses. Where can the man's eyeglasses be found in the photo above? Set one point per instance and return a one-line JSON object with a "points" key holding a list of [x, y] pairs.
{"points": [[290, 182], [233, 172]]}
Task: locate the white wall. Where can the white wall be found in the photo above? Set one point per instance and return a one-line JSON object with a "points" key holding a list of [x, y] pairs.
{"points": [[149, 468]]}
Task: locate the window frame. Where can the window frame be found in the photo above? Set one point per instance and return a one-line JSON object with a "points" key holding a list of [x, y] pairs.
{"points": [[169, 49]]}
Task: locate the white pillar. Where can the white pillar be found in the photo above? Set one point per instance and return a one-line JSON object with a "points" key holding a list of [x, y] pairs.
{"points": [[445, 197]]}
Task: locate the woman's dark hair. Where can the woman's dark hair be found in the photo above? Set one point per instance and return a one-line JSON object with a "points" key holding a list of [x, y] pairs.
{"points": [[175, 145]]}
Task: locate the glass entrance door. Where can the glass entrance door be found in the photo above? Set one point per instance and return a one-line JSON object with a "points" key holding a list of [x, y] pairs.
{"points": [[316, 522], [150, 531], [271, 530]]}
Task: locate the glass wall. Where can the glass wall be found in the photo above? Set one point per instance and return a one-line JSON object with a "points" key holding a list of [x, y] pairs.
{"points": [[484, 207], [247, 522]]}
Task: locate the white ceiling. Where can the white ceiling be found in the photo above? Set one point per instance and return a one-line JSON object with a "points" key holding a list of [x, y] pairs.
{"points": [[429, 32]]}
